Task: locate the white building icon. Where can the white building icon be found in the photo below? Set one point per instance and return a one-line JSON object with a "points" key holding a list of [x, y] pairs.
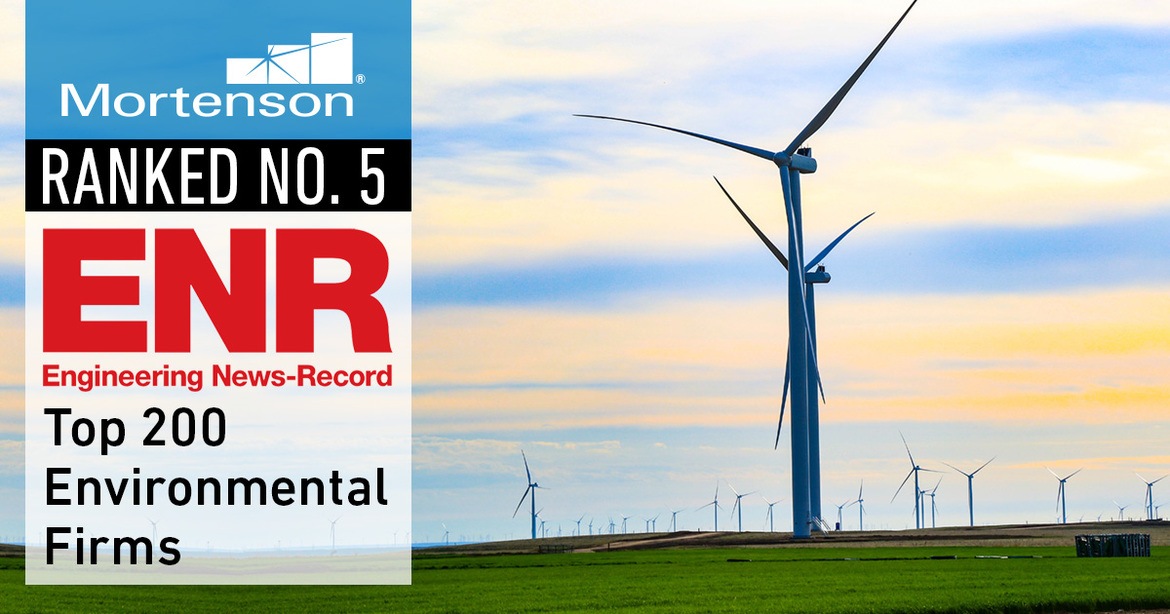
{"points": [[327, 59]]}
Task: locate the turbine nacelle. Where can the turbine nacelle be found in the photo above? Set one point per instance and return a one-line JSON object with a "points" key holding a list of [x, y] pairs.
{"points": [[801, 161], [819, 276]]}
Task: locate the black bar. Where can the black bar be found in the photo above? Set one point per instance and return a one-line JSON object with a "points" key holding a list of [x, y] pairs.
{"points": [[48, 189]]}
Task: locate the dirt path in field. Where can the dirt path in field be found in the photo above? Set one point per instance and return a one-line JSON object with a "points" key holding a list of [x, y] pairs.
{"points": [[991, 536]]}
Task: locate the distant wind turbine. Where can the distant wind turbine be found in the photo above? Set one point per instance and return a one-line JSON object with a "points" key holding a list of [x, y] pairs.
{"points": [[970, 489], [933, 505], [1149, 503], [914, 469], [579, 524], [1060, 493], [715, 503], [1120, 510], [840, 510], [674, 520], [333, 534], [531, 489], [739, 504], [770, 519], [860, 507]]}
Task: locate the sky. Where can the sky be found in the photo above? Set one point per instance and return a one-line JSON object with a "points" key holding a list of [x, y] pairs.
{"points": [[585, 293]]}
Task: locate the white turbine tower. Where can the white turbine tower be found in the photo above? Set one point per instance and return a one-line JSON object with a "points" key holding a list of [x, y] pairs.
{"points": [[1060, 494], [1149, 502], [970, 488], [674, 520]]}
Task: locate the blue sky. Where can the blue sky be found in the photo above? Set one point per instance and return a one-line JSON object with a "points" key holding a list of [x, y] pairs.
{"points": [[584, 292]]}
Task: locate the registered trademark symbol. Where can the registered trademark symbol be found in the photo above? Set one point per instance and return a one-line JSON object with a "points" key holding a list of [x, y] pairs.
{"points": [[360, 79]]}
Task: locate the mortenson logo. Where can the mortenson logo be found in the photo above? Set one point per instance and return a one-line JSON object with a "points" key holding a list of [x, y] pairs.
{"points": [[326, 60]]}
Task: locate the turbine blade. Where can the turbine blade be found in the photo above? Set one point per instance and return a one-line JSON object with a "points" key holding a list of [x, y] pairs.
{"points": [[526, 471], [861, 488], [828, 248], [982, 466], [759, 233], [525, 496], [755, 151], [907, 448], [733, 489], [903, 484], [1160, 479], [1052, 472], [953, 467], [783, 398], [831, 106], [1075, 472]]}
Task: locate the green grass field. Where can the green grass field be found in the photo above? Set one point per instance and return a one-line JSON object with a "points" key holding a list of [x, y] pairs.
{"points": [[743, 579]]}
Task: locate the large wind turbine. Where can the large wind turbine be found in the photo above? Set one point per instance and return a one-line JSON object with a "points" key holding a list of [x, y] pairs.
{"points": [[819, 276], [792, 161], [970, 488], [1150, 495], [1060, 493], [914, 469], [532, 486]]}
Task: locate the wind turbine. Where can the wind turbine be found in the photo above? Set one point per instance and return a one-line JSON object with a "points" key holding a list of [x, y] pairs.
{"points": [[860, 508], [970, 488], [446, 533], [1120, 510], [333, 534], [914, 469], [532, 486], [153, 530], [933, 505], [715, 503], [579, 524], [654, 522], [1149, 503], [591, 527], [840, 510], [770, 519], [674, 520], [791, 162], [811, 277], [1060, 493], [739, 504], [624, 519]]}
